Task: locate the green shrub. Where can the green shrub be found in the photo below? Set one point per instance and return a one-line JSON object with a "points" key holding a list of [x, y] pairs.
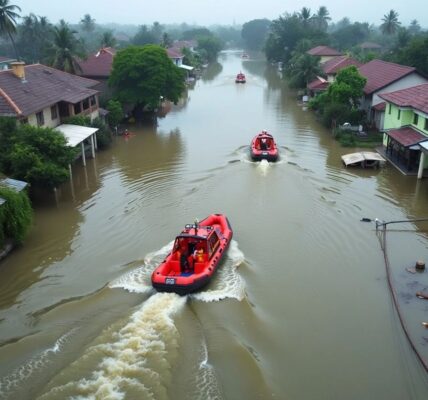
{"points": [[16, 215]]}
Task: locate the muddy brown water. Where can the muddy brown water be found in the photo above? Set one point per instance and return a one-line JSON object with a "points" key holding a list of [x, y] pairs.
{"points": [[300, 307]]}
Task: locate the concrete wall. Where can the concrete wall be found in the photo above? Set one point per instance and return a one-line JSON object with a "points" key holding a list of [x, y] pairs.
{"points": [[406, 118], [49, 122]]}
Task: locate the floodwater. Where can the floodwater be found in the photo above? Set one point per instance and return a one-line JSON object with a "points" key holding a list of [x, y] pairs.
{"points": [[300, 308]]}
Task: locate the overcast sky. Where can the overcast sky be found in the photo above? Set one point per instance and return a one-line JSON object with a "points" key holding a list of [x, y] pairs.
{"points": [[208, 12]]}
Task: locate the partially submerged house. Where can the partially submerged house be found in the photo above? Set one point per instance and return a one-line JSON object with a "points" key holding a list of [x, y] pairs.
{"points": [[43, 96], [330, 69], [325, 53], [406, 129], [385, 77], [98, 66]]}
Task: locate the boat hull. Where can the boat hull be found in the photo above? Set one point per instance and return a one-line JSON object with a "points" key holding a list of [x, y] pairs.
{"points": [[263, 147], [169, 277]]}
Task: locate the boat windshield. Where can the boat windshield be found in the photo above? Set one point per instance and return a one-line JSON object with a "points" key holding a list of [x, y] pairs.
{"points": [[189, 245]]}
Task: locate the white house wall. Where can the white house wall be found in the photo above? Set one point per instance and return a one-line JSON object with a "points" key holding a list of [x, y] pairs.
{"points": [[49, 122], [408, 81]]}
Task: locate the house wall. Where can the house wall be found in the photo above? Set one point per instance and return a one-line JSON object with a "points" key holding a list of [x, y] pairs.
{"points": [[406, 118], [323, 59], [413, 79], [49, 122]]}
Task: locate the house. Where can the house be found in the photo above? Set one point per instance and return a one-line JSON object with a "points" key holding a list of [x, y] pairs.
{"points": [[370, 47], [188, 44], [330, 69], [98, 66], [5, 62], [335, 64], [406, 129], [177, 56], [44, 96], [324, 52], [385, 77]]}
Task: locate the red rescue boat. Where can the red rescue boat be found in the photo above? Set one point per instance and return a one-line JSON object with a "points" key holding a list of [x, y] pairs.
{"points": [[240, 78], [195, 256], [263, 147]]}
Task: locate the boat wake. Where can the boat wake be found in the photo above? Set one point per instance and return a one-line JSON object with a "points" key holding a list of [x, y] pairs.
{"points": [[139, 280], [134, 360], [14, 382], [227, 283]]}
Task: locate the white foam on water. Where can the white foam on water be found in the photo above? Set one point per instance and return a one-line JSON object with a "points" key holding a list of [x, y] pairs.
{"points": [[263, 167], [11, 382], [226, 283], [139, 280], [133, 362], [206, 384]]}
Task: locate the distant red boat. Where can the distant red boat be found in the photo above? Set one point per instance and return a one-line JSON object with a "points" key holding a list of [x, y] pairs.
{"points": [[263, 147], [240, 78], [195, 256]]}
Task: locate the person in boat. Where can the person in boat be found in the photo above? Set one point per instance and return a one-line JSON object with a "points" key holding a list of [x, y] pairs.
{"points": [[263, 144]]}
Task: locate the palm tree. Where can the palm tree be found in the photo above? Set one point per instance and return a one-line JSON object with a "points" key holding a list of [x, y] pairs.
{"points": [[108, 40], [305, 15], [8, 18], [322, 17], [88, 23], [390, 23], [304, 70], [66, 49], [414, 27]]}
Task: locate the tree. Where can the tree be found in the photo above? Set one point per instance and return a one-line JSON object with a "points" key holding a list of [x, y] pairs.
{"points": [[390, 23], [414, 54], [166, 40], [16, 215], [305, 15], [107, 39], [350, 35], [348, 87], [143, 37], [321, 18], [66, 49], [34, 37], [414, 27], [36, 155], [8, 18], [115, 113], [210, 45], [303, 68], [142, 76], [255, 33], [88, 23]]}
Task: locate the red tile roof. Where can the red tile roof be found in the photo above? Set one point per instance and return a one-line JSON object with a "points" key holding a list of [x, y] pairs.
{"points": [[323, 51], [406, 136], [337, 63], [174, 52], [318, 84], [380, 106], [382, 73], [43, 86], [98, 64], [415, 97]]}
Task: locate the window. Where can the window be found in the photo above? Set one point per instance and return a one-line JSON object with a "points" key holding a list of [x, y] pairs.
{"points": [[92, 100], [426, 124], [77, 109], [54, 112], [389, 108], [85, 104], [399, 114], [415, 118], [40, 118]]}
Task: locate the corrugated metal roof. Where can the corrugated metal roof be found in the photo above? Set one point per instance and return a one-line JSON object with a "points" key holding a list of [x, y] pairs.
{"points": [[14, 184], [75, 134]]}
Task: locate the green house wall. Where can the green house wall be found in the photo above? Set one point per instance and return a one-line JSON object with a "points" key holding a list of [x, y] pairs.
{"points": [[395, 119]]}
